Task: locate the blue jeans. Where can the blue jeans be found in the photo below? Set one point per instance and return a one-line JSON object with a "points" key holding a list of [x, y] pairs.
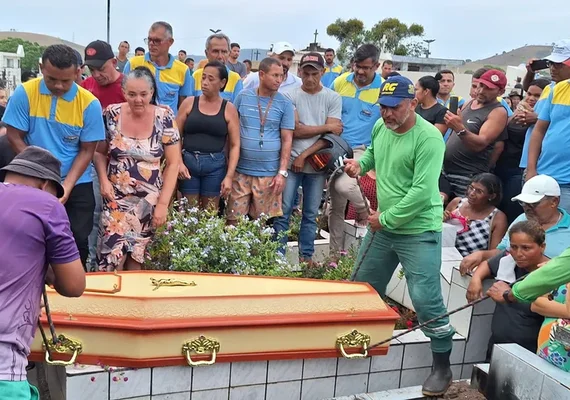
{"points": [[313, 185], [94, 235], [207, 171]]}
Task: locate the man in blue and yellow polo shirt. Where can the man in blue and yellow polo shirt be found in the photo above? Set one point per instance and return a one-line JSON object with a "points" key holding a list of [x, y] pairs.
{"points": [[332, 69], [360, 111], [549, 142], [218, 49], [173, 77], [54, 113]]}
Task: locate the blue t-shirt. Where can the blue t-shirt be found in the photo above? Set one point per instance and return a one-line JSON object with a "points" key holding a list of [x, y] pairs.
{"points": [[57, 124], [537, 107], [557, 236], [260, 156], [553, 160]]}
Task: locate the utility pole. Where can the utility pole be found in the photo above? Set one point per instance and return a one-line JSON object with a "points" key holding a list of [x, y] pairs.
{"points": [[428, 41], [109, 21]]}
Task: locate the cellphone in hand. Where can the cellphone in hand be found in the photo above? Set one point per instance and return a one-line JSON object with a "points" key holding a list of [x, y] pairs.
{"points": [[454, 104], [538, 65]]}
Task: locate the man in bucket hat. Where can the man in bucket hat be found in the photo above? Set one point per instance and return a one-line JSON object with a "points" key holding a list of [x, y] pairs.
{"points": [[34, 233], [407, 154]]}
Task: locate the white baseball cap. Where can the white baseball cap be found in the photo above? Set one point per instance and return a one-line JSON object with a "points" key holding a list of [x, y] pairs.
{"points": [[282, 47], [536, 188], [560, 52]]}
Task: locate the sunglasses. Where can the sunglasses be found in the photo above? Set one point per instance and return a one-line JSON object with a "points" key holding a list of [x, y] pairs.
{"points": [[530, 205]]}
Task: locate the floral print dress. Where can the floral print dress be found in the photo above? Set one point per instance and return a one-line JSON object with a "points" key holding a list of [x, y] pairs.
{"points": [[134, 170], [548, 347]]}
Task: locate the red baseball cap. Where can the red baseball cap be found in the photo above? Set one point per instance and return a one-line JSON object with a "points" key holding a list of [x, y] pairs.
{"points": [[493, 79]]}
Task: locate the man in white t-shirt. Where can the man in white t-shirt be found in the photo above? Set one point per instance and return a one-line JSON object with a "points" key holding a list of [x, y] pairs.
{"points": [[317, 112], [284, 52]]}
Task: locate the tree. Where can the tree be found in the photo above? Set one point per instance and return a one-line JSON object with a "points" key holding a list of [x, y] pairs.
{"points": [[398, 36], [32, 52]]}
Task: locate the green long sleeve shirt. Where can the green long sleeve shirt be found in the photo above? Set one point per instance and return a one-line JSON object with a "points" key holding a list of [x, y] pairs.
{"points": [[545, 279], [407, 167]]}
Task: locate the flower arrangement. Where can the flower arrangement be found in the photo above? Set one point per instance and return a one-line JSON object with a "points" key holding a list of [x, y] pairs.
{"points": [[195, 240]]}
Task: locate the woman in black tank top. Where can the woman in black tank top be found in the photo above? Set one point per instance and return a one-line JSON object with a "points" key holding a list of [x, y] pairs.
{"points": [[206, 123]]}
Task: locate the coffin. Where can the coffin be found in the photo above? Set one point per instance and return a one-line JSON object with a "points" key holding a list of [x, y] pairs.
{"points": [[154, 318]]}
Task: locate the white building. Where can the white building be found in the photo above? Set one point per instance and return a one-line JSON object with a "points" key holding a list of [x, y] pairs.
{"points": [[11, 69]]}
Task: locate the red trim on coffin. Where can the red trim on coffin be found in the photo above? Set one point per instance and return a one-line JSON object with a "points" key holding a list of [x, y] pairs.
{"points": [[88, 359], [226, 322]]}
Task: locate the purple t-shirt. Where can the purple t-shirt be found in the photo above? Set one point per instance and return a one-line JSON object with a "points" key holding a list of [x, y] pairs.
{"points": [[34, 232]]}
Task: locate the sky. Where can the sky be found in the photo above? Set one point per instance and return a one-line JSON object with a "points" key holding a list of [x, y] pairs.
{"points": [[462, 29]]}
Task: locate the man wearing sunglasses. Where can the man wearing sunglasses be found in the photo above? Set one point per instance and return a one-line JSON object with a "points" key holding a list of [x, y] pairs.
{"points": [[540, 200], [173, 78], [549, 142]]}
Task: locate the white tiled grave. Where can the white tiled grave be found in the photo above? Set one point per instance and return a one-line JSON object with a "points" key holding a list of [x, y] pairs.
{"points": [[517, 373], [406, 363]]}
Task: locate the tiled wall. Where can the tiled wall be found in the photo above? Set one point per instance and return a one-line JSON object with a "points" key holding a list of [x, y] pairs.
{"points": [[407, 364]]}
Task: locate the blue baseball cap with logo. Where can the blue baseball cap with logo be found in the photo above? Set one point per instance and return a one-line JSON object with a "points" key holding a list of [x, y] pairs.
{"points": [[396, 89]]}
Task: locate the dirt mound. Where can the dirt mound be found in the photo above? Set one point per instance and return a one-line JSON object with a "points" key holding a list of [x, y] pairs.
{"points": [[462, 391]]}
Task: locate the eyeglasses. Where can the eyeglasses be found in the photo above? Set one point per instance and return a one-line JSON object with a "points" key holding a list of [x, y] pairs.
{"points": [[472, 188], [532, 206], [154, 41]]}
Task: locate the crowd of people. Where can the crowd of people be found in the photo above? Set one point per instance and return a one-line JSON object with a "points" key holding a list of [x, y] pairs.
{"points": [[118, 146]]}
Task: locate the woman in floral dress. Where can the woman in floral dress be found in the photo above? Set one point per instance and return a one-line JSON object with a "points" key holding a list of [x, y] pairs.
{"points": [[135, 186]]}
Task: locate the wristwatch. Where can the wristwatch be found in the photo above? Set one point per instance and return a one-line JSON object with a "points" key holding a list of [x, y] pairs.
{"points": [[284, 173], [506, 294], [462, 132]]}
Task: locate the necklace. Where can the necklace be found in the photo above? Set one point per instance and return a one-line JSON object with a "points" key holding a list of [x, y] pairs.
{"points": [[263, 116]]}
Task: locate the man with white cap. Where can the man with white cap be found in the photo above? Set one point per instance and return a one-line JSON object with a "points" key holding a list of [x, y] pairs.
{"points": [[549, 146], [540, 199], [284, 52]]}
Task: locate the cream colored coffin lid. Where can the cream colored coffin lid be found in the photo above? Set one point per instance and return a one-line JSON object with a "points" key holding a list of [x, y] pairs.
{"points": [[133, 295]]}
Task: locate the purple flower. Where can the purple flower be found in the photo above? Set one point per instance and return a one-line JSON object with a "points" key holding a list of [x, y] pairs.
{"points": [[333, 265], [343, 252]]}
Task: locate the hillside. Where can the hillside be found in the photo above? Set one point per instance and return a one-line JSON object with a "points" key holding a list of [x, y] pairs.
{"points": [[42, 40], [513, 58]]}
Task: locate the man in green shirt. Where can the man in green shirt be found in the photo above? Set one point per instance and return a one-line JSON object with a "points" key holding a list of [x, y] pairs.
{"points": [[407, 154]]}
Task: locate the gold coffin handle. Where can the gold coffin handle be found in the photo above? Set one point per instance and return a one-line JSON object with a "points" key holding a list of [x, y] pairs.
{"points": [[64, 345], [353, 339], [201, 345]]}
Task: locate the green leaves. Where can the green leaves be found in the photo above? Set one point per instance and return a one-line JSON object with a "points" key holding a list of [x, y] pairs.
{"points": [[390, 33], [32, 51]]}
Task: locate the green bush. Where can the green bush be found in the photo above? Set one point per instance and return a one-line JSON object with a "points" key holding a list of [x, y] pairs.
{"points": [[194, 240]]}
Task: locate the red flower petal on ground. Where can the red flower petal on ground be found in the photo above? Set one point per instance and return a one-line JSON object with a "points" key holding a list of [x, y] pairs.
{"points": [[409, 324]]}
